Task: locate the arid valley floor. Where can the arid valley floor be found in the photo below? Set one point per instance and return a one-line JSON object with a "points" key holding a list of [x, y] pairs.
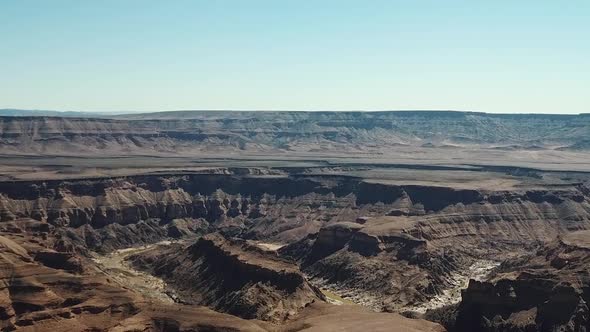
{"points": [[295, 221]]}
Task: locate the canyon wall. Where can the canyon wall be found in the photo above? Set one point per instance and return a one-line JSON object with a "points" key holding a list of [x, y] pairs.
{"points": [[232, 276], [548, 290], [388, 246]]}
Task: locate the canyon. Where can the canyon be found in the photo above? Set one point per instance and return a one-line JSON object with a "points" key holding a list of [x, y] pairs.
{"points": [[231, 221]]}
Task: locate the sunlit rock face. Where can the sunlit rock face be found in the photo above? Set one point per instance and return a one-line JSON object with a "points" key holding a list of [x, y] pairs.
{"points": [[387, 246]]}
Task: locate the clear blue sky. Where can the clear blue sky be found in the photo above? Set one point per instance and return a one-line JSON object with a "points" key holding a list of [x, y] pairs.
{"points": [[113, 55]]}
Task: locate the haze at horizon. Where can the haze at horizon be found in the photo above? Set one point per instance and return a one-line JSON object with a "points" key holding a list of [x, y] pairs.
{"points": [[500, 57]]}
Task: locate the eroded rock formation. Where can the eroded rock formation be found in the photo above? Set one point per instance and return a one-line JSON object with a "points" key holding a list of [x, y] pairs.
{"points": [[387, 246], [546, 291], [232, 276], [46, 290], [42, 289]]}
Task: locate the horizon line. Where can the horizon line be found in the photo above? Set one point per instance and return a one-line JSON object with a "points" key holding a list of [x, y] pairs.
{"points": [[137, 112]]}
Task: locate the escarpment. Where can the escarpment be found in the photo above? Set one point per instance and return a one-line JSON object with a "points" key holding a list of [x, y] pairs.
{"points": [[47, 295], [301, 204], [42, 289], [367, 132], [230, 275], [391, 247], [292, 221], [399, 260], [546, 291]]}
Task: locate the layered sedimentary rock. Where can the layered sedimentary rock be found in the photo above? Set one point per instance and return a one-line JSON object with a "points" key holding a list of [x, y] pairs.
{"points": [[388, 246], [42, 289], [232, 276], [187, 132], [289, 208], [398, 261], [362, 231], [385, 272], [338, 228], [546, 291], [38, 289]]}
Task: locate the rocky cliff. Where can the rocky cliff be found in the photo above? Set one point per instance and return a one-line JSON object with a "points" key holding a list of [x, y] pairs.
{"points": [[546, 291], [411, 256], [391, 247], [111, 213], [232, 276], [43, 289]]}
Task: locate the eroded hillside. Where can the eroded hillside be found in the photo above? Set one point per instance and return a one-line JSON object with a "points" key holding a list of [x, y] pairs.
{"points": [[389, 247]]}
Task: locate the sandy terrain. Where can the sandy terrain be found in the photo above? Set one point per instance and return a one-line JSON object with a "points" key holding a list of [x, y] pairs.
{"points": [[115, 267]]}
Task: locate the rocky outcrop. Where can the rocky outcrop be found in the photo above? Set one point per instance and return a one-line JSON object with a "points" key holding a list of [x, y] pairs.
{"points": [[303, 204], [39, 287], [329, 240], [548, 291], [382, 271], [47, 290], [398, 260], [404, 247], [231, 276], [59, 260]]}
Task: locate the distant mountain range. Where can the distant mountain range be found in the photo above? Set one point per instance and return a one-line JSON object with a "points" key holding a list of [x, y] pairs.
{"points": [[286, 131], [190, 114], [65, 114]]}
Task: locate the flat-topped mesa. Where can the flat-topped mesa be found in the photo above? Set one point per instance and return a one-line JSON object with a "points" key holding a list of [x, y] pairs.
{"points": [[232, 276], [249, 261], [546, 291], [356, 238], [194, 132], [329, 240]]}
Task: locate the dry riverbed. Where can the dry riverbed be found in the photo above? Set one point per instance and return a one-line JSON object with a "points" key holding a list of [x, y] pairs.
{"points": [[479, 271], [118, 269]]}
